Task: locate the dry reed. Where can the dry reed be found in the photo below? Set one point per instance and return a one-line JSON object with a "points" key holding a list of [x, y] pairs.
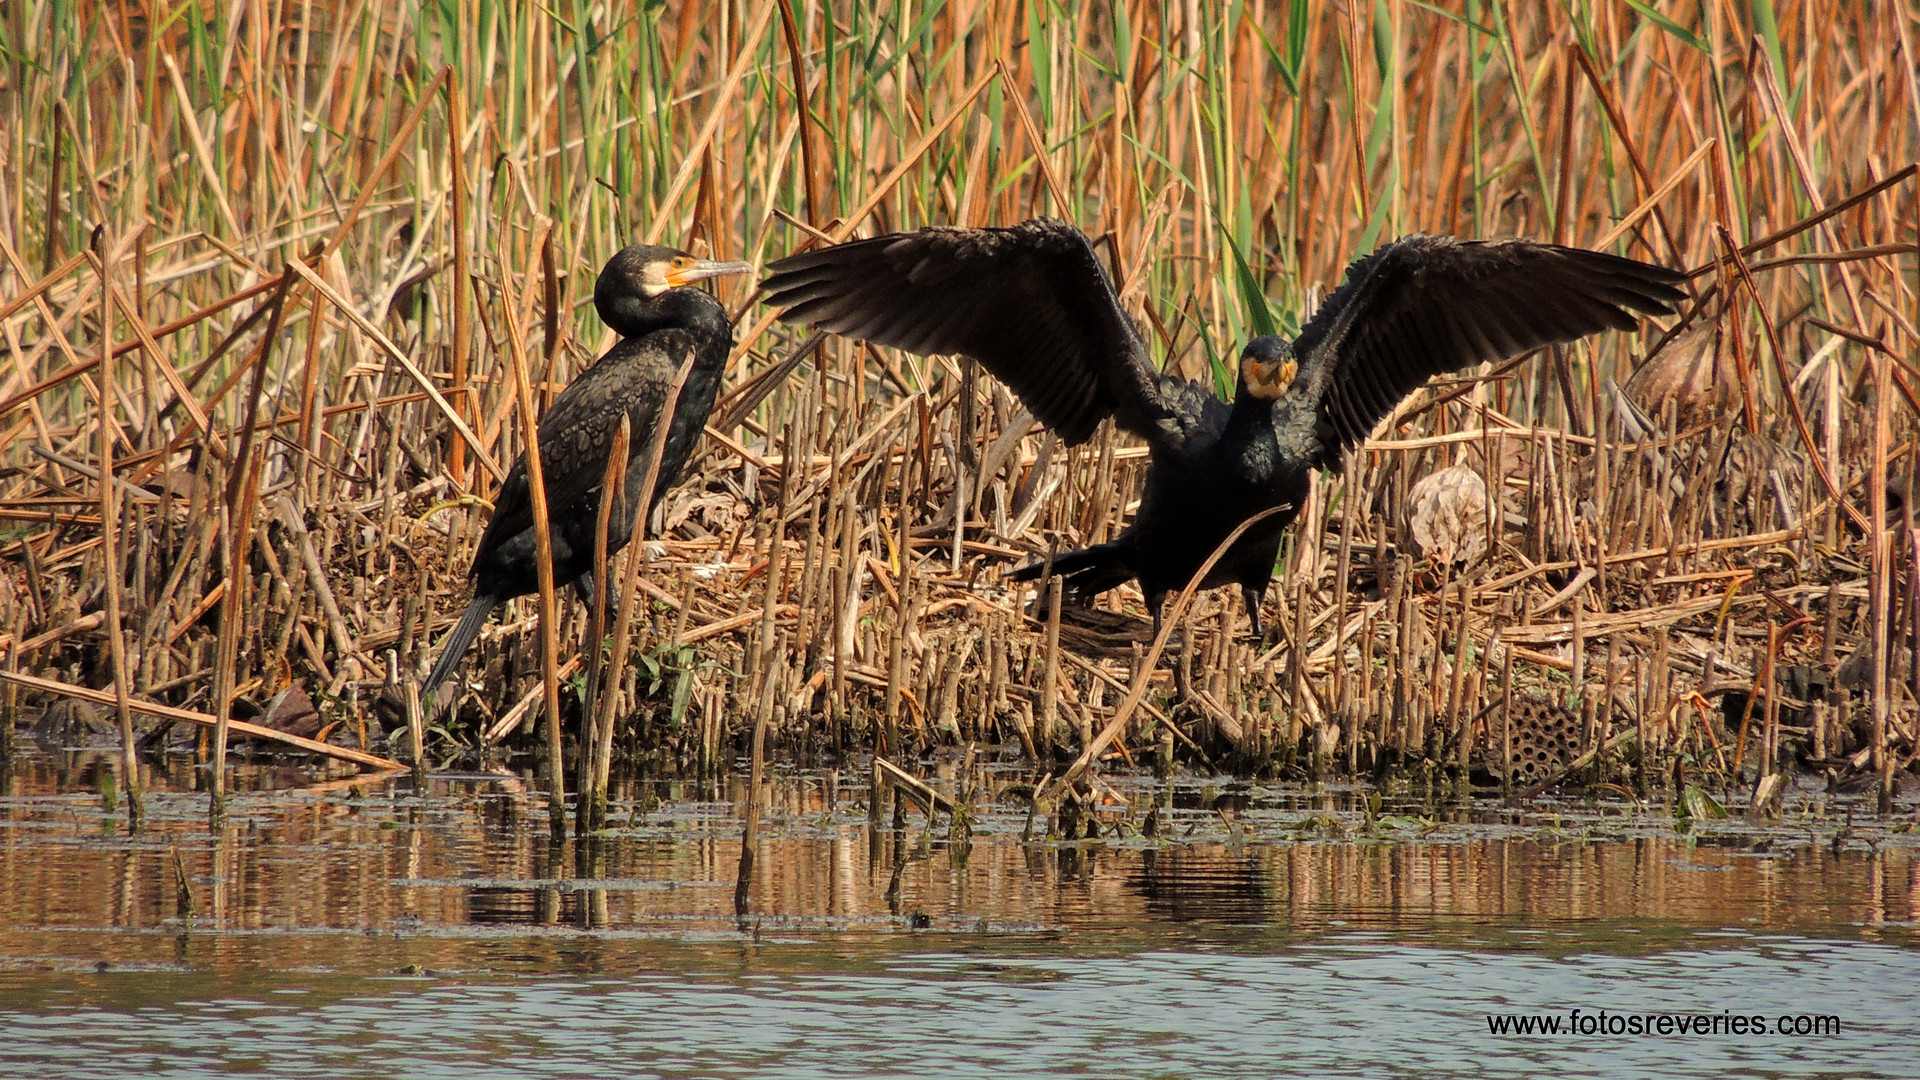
{"points": [[358, 216]]}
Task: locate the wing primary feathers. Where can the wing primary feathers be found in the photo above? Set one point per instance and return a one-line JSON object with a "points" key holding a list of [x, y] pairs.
{"points": [[1031, 303], [1426, 305]]}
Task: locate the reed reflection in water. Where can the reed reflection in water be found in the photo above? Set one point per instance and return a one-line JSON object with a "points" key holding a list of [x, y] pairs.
{"points": [[472, 852]]}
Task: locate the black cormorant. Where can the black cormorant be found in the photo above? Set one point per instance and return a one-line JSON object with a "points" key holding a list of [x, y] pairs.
{"points": [[1034, 306], [642, 296]]}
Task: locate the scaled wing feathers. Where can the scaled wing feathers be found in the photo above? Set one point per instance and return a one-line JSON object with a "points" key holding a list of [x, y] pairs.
{"points": [[1426, 305], [577, 432], [1031, 303]]}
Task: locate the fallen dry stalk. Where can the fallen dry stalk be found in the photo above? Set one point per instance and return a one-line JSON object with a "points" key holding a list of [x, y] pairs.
{"points": [[1051, 796], [169, 712]]}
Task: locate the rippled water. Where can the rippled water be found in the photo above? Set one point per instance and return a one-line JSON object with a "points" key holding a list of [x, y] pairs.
{"points": [[353, 927]]}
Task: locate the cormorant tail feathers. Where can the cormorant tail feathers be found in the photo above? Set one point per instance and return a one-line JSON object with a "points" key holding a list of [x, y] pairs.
{"points": [[456, 643], [1087, 571]]}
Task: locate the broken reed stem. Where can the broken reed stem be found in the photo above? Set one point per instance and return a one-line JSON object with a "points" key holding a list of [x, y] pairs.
{"points": [[630, 592], [1880, 573], [242, 497], [1506, 711], [10, 703], [1050, 690], [750, 835], [612, 490], [1461, 713], [543, 547], [169, 712], [233, 519], [416, 734], [846, 601], [1055, 791], [1770, 729], [887, 774], [111, 550]]}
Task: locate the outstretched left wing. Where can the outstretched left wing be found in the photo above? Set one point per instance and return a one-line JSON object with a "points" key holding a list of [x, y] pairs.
{"points": [[1426, 305]]}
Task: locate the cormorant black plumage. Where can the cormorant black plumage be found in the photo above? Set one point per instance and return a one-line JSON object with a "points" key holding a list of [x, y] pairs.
{"points": [[642, 295], [1034, 306]]}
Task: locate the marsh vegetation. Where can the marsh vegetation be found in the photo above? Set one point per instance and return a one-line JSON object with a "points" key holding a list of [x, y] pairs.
{"points": [[271, 269]]}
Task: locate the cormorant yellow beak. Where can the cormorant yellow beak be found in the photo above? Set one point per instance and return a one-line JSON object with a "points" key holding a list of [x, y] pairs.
{"points": [[685, 270], [1268, 380]]}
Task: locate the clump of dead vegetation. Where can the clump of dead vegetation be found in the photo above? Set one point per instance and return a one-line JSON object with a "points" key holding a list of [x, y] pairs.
{"points": [[266, 274]]}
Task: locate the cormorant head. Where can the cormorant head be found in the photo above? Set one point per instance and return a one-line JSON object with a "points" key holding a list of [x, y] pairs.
{"points": [[641, 272], [1267, 367]]}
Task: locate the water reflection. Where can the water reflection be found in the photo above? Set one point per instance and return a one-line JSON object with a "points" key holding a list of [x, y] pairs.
{"points": [[347, 926], [352, 853], [1189, 884]]}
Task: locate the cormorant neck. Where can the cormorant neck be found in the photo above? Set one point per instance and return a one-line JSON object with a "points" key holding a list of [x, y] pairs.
{"points": [[1248, 408], [687, 308]]}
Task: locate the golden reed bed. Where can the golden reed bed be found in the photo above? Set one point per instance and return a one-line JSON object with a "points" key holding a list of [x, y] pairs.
{"points": [[302, 245]]}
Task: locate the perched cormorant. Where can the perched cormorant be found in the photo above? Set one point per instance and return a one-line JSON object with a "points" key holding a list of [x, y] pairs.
{"points": [[641, 296], [1034, 306]]}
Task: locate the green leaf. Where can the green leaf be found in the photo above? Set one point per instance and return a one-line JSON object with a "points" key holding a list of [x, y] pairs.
{"points": [[1767, 28], [1042, 59], [1699, 804], [1383, 42], [1461, 19], [1223, 377], [1259, 311], [1286, 61], [1671, 27], [1296, 42], [682, 694]]}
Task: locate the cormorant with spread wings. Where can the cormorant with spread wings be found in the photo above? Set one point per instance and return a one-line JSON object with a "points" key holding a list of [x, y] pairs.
{"points": [[1034, 306]]}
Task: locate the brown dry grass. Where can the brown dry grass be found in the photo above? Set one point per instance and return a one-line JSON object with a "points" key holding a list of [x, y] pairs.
{"points": [[311, 215]]}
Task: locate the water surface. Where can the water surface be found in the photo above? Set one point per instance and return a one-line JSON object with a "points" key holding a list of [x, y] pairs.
{"points": [[350, 927]]}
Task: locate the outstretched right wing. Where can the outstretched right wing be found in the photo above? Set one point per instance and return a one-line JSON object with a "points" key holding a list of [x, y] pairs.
{"points": [[1031, 303]]}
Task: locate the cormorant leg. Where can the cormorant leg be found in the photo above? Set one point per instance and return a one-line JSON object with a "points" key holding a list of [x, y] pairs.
{"points": [[1253, 595], [584, 586]]}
